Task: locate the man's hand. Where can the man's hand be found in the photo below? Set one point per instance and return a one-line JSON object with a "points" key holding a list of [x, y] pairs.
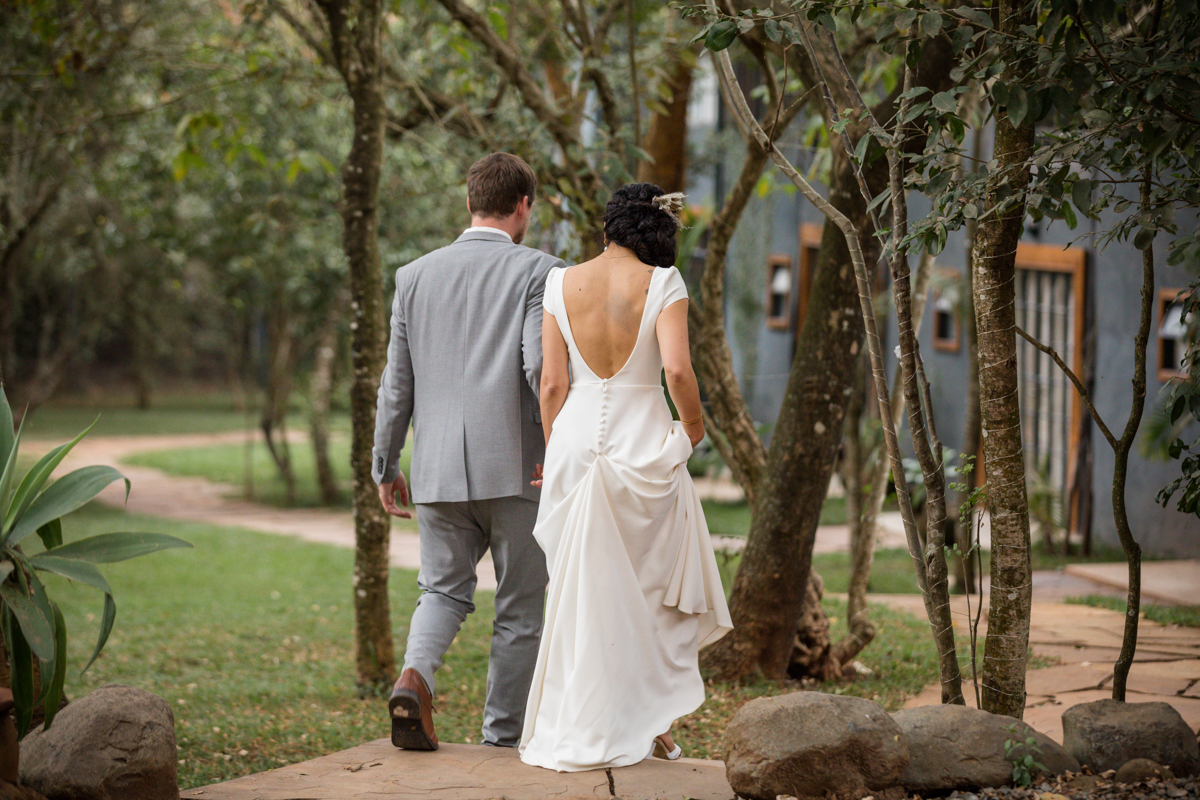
{"points": [[387, 496], [537, 476]]}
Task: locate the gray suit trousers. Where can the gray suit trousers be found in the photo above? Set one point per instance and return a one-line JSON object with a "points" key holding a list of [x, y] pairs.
{"points": [[454, 537]]}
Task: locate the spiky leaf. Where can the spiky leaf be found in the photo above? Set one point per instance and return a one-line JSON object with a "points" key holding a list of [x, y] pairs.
{"points": [[108, 548], [64, 496]]}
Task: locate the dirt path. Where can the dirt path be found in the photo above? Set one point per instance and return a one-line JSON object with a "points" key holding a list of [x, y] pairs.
{"points": [[156, 493]]}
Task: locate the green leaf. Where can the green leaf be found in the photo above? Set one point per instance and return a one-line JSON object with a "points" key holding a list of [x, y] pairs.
{"points": [[860, 151], [1081, 195], [1000, 93], [905, 19], [20, 664], [1177, 410], [292, 171], [721, 35], [72, 568], [54, 687], [33, 623], [106, 626], [64, 496], [33, 481], [946, 102], [1069, 217], [7, 439], [1144, 239], [108, 548], [51, 533], [498, 22], [773, 31], [931, 24], [975, 15], [9, 467], [1018, 106]]}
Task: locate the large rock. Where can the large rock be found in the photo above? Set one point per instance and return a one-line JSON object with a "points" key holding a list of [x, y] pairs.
{"points": [[1107, 733], [117, 743], [809, 744], [11, 791], [955, 747]]}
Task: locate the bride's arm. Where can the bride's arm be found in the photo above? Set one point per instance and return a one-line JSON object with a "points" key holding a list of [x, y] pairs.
{"points": [[556, 379], [672, 331]]}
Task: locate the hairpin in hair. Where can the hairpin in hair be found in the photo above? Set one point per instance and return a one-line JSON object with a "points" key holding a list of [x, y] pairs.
{"points": [[672, 204]]}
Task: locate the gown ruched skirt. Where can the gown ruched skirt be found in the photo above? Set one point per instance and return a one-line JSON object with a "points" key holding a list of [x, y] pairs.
{"points": [[634, 588]]}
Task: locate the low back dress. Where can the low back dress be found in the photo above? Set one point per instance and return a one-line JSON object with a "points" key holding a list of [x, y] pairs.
{"points": [[634, 588]]}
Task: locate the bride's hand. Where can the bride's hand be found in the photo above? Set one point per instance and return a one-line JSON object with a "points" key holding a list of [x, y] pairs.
{"points": [[537, 476], [695, 432]]}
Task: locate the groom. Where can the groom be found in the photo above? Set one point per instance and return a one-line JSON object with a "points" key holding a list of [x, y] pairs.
{"points": [[464, 362]]}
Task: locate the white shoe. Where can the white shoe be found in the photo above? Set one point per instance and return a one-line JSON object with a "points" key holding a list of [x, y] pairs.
{"points": [[659, 750]]}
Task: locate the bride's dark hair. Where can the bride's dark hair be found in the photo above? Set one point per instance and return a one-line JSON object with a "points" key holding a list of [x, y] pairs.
{"points": [[632, 219]]}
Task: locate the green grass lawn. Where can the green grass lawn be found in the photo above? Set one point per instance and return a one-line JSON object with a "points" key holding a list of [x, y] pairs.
{"points": [[183, 412], [1186, 616], [249, 638]]}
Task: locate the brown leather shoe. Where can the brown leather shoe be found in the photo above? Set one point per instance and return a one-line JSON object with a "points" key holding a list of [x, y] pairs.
{"points": [[411, 709]]}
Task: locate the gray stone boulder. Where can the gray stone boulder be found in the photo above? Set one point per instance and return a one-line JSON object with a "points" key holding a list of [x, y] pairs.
{"points": [[953, 747], [1105, 734], [1140, 770], [117, 743], [810, 744]]}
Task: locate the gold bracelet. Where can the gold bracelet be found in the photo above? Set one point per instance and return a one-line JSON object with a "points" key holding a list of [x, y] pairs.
{"points": [[692, 421]]}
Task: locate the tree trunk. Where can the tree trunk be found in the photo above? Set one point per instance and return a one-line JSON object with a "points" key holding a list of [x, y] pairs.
{"points": [[281, 363], [354, 27], [994, 263], [711, 356], [666, 140], [320, 388]]}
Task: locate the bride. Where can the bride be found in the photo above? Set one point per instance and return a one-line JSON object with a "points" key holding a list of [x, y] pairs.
{"points": [[634, 589]]}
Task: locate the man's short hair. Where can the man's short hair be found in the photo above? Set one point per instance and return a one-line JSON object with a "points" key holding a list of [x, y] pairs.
{"points": [[497, 182]]}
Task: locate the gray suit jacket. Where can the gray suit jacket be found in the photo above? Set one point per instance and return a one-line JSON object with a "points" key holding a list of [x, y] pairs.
{"points": [[464, 362]]}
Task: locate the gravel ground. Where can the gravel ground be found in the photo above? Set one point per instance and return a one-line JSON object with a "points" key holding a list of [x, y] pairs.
{"points": [[1092, 787]]}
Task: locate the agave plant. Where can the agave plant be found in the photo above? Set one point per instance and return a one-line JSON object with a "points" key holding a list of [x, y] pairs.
{"points": [[32, 623]]}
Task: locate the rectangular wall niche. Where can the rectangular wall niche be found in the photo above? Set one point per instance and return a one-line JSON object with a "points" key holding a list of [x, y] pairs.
{"points": [[1173, 334], [779, 291]]}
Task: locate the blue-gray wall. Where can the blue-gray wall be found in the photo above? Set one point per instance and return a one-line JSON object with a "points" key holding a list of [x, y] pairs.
{"points": [[1113, 282]]}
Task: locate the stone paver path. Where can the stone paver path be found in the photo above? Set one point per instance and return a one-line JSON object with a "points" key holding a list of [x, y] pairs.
{"points": [[377, 770], [1085, 640]]}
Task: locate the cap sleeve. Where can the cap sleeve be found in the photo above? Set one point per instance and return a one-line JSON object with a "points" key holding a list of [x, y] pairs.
{"points": [[675, 288], [551, 295]]}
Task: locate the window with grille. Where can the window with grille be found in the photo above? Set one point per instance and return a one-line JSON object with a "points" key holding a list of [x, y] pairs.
{"points": [[1049, 307]]}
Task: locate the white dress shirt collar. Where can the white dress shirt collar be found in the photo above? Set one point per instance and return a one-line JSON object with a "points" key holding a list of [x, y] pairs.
{"points": [[486, 229]]}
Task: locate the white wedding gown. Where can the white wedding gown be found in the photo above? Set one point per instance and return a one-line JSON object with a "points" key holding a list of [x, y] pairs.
{"points": [[634, 589]]}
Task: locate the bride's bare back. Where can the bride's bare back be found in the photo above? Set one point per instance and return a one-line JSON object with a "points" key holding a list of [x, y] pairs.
{"points": [[604, 300]]}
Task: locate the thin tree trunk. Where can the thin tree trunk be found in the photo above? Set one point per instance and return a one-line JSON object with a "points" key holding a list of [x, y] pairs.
{"points": [[320, 389], [281, 348], [1133, 552], [994, 263], [355, 41], [873, 474]]}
